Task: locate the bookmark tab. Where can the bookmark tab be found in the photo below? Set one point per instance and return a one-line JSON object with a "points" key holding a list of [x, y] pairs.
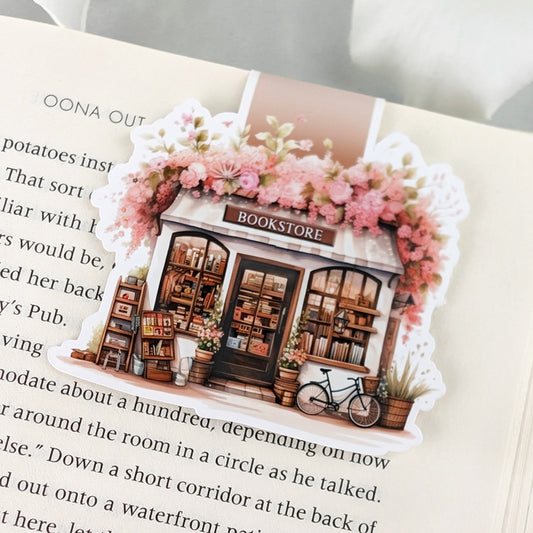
{"points": [[350, 120]]}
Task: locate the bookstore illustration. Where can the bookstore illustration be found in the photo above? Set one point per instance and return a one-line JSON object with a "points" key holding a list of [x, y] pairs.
{"points": [[267, 275]]}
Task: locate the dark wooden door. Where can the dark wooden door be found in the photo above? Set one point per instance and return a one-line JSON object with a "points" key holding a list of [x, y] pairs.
{"points": [[257, 320]]}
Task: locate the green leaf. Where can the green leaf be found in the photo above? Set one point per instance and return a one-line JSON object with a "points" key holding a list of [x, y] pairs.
{"points": [[271, 143], [290, 145], [411, 192], [421, 183], [202, 136], [267, 179], [321, 199], [308, 190], [285, 129], [154, 179], [410, 211], [407, 160], [161, 132], [198, 122], [272, 121], [231, 186]]}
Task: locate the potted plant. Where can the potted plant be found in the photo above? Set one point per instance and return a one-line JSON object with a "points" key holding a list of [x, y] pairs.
{"points": [[138, 275], [397, 393], [293, 357], [210, 334]]}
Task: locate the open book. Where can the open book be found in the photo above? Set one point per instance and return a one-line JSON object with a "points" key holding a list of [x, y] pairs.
{"points": [[104, 406]]}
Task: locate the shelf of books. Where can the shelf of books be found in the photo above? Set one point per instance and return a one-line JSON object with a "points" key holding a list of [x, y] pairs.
{"points": [[257, 312], [157, 334], [120, 328], [193, 273], [341, 306]]}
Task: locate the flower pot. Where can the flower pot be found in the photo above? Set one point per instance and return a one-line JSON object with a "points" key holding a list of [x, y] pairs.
{"points": [[200, 371], [288, 374], [203, 355], [370, 384], [285, 391], [394, 412]]}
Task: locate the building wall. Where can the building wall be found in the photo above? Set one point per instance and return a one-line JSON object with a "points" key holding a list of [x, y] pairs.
{"points": [[186, 344]]}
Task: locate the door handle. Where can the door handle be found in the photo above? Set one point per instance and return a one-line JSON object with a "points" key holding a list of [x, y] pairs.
{"points": [[281, 319]]}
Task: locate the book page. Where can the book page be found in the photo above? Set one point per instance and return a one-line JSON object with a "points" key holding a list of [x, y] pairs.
{"points": [[80, 457]]}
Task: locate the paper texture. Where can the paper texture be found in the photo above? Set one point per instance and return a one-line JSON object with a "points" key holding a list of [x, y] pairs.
{"points": [[147, 461]]}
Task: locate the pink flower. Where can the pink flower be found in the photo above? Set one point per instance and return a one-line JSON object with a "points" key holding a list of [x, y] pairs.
{"points": [[291, 195], [339, 191], [330, 213], [404, 231], [306, 145], [192, 176], [249, 179], [187, 118]]}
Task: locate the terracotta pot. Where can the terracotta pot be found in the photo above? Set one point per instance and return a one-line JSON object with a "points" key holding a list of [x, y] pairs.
{"points": [[203, 355], [394, 412], [288, 374]]}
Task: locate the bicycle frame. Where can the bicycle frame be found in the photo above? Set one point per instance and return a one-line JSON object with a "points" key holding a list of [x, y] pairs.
{"points": [[354, 389]]}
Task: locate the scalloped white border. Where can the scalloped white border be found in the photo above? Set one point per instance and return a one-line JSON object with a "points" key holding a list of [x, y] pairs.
{"points": [[448, 203]]}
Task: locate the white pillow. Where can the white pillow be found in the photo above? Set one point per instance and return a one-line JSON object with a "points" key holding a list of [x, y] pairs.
{"points": [[459, 57], [68, 14]]}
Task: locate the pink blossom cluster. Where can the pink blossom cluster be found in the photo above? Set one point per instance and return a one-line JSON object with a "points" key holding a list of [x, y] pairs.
{"points": [[210, 337], [364, 196], [293, 358]]}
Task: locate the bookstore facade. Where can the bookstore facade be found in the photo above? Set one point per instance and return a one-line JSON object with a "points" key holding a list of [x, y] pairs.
{"points": [[269, 270]]}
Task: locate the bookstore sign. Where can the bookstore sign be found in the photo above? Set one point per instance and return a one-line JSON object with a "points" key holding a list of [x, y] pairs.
{"points": [[279, 225]]}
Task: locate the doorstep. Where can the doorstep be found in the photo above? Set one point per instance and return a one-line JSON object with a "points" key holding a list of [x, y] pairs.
{"points": [[242, 389]]}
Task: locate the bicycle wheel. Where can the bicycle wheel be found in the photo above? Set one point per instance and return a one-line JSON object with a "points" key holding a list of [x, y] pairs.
{"points": [[364, 410], [312, 398]]}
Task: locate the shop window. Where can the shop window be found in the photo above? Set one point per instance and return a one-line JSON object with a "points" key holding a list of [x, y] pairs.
{"points": [[342, 306], [193, 273]]}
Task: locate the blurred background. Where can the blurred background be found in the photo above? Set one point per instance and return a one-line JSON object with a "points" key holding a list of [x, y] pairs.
{"points": [[436, 55]]}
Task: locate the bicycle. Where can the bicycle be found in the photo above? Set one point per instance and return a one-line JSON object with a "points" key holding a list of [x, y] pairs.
{"points": [[314, 397]]}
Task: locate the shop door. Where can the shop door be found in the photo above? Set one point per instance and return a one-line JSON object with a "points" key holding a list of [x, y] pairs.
{"points": [[257, 321]]}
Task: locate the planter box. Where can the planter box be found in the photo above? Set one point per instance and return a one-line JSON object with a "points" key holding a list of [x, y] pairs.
{"points": [[87, 355], [394, 412], [158, 374]]}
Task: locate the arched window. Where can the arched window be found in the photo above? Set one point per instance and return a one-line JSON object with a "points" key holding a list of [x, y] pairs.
{"points": [[194, 271], [341, 303]]}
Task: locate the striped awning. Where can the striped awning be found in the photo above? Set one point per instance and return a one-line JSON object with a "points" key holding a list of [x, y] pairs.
{"points": [[378, 252]]}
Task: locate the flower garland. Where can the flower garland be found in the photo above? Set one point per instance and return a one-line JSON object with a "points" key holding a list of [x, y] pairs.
{"points": [[278, 172]]}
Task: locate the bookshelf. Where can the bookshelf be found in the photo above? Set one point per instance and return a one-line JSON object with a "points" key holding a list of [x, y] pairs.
{"points": [[121, 324], [157, 345], [257, 313], [193, 273], [341, 305]]}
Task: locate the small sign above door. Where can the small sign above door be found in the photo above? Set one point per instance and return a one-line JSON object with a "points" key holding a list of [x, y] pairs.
{"points": [[279, 225]]}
